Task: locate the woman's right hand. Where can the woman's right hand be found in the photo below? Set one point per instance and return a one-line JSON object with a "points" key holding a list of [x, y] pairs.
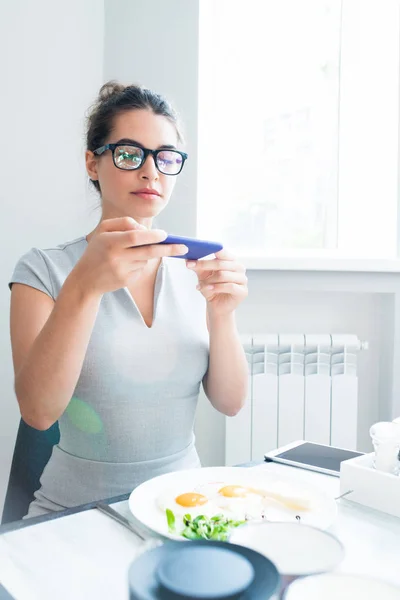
{"points": [[117, 253]]}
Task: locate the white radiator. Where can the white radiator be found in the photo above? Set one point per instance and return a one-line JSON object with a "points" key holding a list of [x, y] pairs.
{"points": [[301, 386]]}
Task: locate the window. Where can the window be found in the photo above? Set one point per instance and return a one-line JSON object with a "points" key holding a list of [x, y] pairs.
{"points": [[298, 126]]}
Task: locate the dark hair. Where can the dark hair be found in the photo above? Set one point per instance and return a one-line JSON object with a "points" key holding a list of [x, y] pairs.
{"points": [[114, 99]]}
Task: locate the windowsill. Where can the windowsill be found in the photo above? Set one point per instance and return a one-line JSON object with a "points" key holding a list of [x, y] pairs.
{"points": [[303, 263]]}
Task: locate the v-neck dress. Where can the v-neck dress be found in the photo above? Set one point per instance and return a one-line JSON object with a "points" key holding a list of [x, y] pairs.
{"points": [[132, 412]]}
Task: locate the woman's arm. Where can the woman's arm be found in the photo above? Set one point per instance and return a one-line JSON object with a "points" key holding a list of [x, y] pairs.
{"points": [[223, 283], [50, 339], [226, 380], [49, 343]]}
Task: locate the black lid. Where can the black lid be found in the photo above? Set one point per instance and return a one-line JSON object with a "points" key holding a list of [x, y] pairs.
{"points": [[202, 570]]}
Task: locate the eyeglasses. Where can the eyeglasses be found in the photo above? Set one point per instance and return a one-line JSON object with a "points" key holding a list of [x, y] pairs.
{"points": [[129, 157]]}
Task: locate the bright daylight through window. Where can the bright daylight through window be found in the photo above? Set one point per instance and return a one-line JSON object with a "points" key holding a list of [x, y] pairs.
{"points": [[299, 127]]}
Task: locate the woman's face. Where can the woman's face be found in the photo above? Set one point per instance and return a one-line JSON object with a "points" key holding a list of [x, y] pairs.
{"points": [[121, 189]]}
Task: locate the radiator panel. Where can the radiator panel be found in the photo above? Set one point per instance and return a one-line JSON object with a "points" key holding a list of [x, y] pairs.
{"points": [[301, 386]]}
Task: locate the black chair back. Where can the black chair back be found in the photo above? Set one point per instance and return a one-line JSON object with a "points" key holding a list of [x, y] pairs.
{"points": [[32, 451]]}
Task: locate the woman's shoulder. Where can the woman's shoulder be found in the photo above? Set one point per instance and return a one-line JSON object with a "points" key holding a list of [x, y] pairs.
{"points": [[72, 248], [47, 268], [62, 254]]}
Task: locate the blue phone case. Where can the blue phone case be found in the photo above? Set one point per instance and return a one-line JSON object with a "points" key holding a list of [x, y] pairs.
{"points": [[197, 248]]}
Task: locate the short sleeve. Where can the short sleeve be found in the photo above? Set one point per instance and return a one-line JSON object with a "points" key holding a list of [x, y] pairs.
{"points": [[32, 270]]}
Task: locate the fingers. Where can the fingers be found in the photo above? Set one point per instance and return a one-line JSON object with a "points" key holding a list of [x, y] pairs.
{"points": [[144, 244], [157, 251], [120, 224], [233, 289], [141, 244], [224, 277], [132, 238], [202, 266], [225, 255], [138, 237]]}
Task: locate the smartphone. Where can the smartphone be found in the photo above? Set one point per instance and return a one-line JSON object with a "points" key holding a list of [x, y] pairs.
{"points": [[197, 248], [314, 457]]}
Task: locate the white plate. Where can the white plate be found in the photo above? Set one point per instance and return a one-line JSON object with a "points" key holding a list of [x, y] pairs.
{"points": [[294, 549], [143, 505], [332, 586]]}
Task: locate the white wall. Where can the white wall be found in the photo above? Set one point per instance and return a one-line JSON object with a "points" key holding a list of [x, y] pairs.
{"points": [[51, 57]]}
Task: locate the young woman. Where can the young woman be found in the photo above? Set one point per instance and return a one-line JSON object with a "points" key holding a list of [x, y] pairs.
{"points": [[110, 335]]}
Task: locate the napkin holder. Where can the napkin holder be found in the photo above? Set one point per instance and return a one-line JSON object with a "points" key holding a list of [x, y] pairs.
{"points": [[370, 487]]}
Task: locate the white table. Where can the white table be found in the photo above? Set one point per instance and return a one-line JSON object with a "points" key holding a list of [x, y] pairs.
{"points": [[87, 555]]}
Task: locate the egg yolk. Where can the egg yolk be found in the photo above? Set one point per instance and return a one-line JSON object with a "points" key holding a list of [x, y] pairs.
{"points": [[191, 499], [234, 491]]}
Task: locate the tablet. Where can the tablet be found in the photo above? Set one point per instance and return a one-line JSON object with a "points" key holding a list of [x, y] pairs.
{"points": [[314, 457]]}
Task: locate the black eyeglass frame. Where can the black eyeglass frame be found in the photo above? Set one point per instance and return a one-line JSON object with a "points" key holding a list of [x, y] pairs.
{"points": [[146, 152]]}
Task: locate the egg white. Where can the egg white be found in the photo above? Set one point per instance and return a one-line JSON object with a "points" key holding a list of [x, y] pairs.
{"points": [[286, 497], [248, 507]]}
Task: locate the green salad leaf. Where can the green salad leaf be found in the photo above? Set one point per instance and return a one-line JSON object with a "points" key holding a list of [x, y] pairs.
{"points": [[216, 528], [170, 520]]}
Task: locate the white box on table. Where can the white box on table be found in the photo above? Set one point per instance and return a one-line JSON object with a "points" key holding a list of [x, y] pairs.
{"points": [[371, 488]]}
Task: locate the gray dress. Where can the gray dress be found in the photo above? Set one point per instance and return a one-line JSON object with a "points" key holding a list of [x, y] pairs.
{"points": [[132, 412]]}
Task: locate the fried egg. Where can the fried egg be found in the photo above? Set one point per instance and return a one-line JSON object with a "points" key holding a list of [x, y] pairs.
{"points": [[183, 502], [234, 500], [248, 500], [242, 501], [283, 494]]}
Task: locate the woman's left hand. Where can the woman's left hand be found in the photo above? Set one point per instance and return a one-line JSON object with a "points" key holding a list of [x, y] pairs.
{"points": [[222, 281]]}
